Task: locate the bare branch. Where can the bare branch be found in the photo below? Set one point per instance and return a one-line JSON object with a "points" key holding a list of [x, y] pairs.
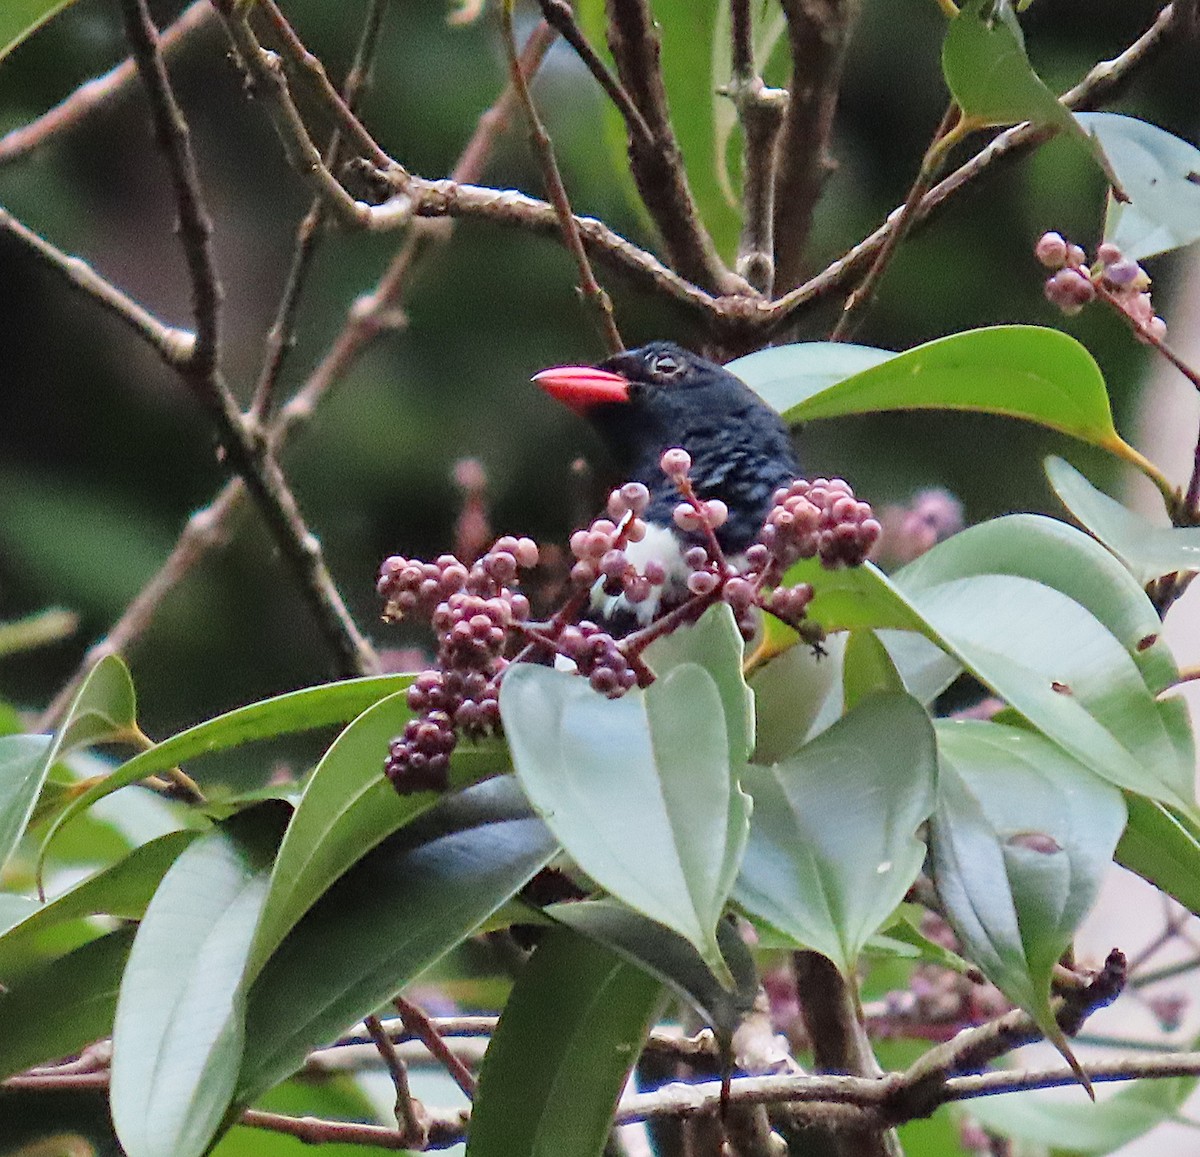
{"points": [[818, 35], [657, 168], [308, 232], [174, 142], [561, 17], [1102, 83], [174, 346], [96, 93], [422, 1027], [591, 289], [409, 1114], [363, 324], [267, 71], [761, 111]]}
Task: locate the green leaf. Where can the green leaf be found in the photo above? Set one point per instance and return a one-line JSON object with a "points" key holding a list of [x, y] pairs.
{"points": [[122, 890], [296, 711], [1059, 556], [1162, 847], [178, 1032], [867, 668], [1046, 1117], [1060, 668], [23, 769], [793, 691], [1018, 371], [1020, 843], [784, 375], [1048, 657], [103, 709], [989, 74], [395, 913], [716, 644], [1158, 172], [669, 957], [833, 845], [347, 808], [639, 790], [1148, 551], [36, 630], [63, 1007], [20, 19], [554, 1094]]}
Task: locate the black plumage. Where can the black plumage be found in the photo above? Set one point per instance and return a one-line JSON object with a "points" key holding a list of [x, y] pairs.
{"points": [[740, 448]]}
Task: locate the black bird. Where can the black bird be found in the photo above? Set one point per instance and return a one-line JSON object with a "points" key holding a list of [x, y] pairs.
{"points": [[648, 400]]}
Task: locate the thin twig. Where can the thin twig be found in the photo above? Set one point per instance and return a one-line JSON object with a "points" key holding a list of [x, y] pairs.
{"points": [[97, 92], [174, 346], [948, 133], [174, 142], [819, 34], [267, 70], [1101, 84], [243, 441], [425, 1030], [308, 232], [761, 111], [408, 1113], [561, 17], [657, 168], [591, 289], [342, 107], [207, 527]]}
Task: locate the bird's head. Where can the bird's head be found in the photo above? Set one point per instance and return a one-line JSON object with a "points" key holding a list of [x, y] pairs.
{"points": [[645, 400]]}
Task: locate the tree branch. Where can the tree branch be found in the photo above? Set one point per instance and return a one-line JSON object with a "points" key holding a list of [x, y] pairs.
{"points": [[818, 35], [657, 167], [97, 92], [591, 289]]}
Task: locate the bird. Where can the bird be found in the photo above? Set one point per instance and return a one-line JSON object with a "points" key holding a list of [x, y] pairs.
{"points": [[660, 396]]}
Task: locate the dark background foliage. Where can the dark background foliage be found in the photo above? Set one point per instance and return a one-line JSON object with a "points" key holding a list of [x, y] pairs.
{"points": [[103, 455]]}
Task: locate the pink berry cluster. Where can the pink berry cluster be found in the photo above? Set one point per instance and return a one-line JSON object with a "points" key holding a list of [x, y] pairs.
{"points": [[819, 519], [1112, 276], [473, 610], [482, 620]]}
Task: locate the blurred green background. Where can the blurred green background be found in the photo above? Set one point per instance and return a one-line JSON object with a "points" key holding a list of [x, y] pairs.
{"points": [[103, 455]]}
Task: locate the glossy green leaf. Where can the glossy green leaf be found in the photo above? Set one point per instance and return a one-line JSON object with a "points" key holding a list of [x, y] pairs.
{"points": [[104, 708], [1058, 555], [793, 692], [1158, 172], [1060, 668], [20, 19], [178, 1032], [639, 790], [23, 769], [1147, 550], [988, 71], [346, 809], [833, 845], [551, 1091], [867, 668], [1162, 847], [784, 375], [122, 890], [716, 644], [1018, 371], [395, 913], [924, 667], [1047, 1117], [670, 958], [297, 711], [63, 1007], [1020, 843]]}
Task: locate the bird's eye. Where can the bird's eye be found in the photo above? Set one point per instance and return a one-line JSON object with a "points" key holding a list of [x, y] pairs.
{"points": [[666, 367]]}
